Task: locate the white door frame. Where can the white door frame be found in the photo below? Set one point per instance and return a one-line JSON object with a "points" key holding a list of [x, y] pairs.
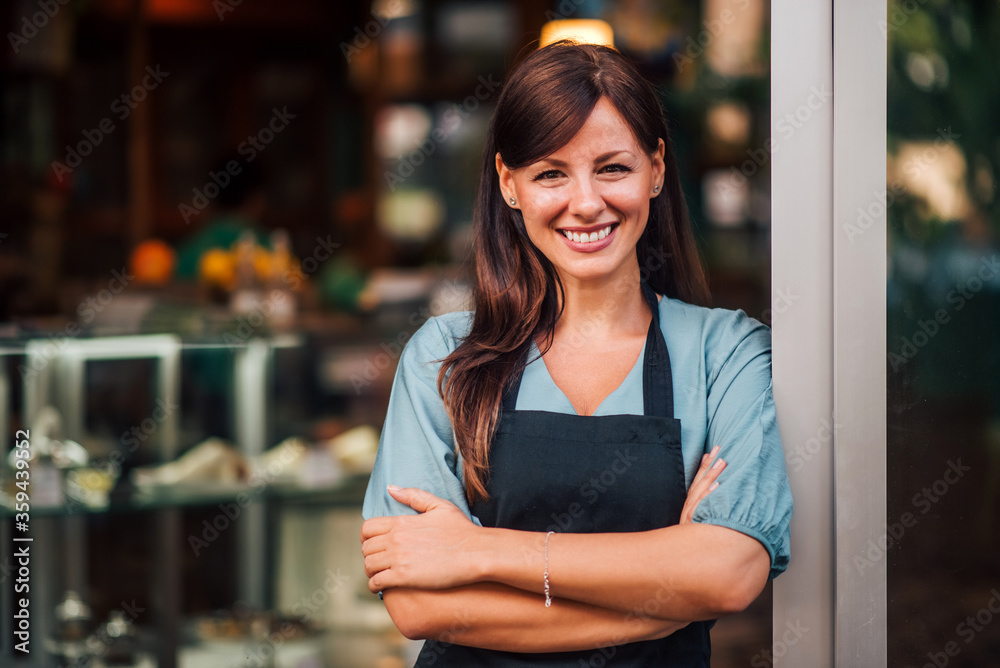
{"points": [[828, 159]]}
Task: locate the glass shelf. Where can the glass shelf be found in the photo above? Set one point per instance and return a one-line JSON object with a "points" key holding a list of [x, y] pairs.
{"points": [[350, 492]]}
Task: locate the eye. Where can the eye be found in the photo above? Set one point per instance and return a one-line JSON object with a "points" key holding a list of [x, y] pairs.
{"points": [[616, 167], [547, 175]]}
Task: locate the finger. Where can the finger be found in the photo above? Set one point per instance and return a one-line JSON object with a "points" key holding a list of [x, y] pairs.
{"points": [[697, 496], [376, 526], [700, 488], [373, 545], [416, 498], [381, 581], [706, 464], [376, 563]]}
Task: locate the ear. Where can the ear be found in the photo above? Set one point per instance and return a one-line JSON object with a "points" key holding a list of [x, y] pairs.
{"points": [[506, 182], [658, 166]]}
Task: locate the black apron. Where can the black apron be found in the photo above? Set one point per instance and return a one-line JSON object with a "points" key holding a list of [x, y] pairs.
{"points": [[590, 474]]}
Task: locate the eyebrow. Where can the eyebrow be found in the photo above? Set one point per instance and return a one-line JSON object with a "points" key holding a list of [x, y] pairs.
{"points": [[601, 158]]}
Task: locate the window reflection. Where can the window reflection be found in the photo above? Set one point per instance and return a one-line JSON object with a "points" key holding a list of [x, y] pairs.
{"points": [[943, 318]]}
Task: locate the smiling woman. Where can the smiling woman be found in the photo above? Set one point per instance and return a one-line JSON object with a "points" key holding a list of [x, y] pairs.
{"points": [[587, 466], [591, 194]]}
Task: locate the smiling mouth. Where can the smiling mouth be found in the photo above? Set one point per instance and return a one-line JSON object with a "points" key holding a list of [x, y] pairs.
{"points": [[585, 237]]}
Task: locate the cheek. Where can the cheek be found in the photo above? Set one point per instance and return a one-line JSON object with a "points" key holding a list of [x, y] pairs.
{"points": [[540, 208], [632, 202]]}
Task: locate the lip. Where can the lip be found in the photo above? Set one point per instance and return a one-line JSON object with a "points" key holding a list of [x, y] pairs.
{"points": [[590, 246]]}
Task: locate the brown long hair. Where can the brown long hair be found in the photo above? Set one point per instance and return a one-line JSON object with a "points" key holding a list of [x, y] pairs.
{"points": [[542, 105]]}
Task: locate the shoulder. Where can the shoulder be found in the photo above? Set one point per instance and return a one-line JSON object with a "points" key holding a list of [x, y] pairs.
{"points": [[438, 337], [719, 336]]}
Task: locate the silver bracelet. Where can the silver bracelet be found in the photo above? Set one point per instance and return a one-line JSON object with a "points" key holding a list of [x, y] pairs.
{"points": [[545, 574]]}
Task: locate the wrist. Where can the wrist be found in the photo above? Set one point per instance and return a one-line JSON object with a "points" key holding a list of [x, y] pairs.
{"points": [[490, 555], [514, 558]]}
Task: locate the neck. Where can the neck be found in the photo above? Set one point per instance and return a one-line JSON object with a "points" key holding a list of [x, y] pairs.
{"points": [[594, 310]]}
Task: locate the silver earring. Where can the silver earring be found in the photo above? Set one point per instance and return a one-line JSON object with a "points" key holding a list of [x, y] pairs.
{"points": [[512, 201], [656, 189]]}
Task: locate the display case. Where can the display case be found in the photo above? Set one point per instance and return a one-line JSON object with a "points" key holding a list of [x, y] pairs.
{"points": [[135, 548]]}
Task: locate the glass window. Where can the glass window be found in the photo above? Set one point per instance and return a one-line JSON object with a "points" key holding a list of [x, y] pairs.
{"points": [[943, 303]]}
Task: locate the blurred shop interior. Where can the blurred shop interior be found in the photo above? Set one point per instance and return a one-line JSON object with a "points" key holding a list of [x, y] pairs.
{"points": [[221, 223], [943, 315]]}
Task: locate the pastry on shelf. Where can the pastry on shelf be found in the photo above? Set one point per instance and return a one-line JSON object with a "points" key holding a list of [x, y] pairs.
{"points": [[296, 463], [91, 486], [53, 459], [212, 464], [281, 464], [47, 442], [355, 449]]}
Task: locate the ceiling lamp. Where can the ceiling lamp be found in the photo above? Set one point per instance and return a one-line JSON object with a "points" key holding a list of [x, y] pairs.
{"points": [[587, 31]]}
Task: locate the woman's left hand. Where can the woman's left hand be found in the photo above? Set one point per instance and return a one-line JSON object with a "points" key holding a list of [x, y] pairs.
{"points": [[705, 482], [432, 550]]}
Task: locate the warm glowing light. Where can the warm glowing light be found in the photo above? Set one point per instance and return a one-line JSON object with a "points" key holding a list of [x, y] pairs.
{"points": [[394, 9], [587, 31], [934, 171], [729, 122]]}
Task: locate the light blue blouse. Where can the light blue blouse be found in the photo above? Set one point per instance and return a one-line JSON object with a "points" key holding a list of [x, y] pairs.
{"points": [[721, 365]]}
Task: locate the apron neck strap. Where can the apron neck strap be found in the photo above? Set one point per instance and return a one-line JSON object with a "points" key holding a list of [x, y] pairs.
{"points": [[657, 382]]}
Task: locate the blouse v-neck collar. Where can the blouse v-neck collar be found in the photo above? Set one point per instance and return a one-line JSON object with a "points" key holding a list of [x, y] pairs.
{"points": [[539, 391]]}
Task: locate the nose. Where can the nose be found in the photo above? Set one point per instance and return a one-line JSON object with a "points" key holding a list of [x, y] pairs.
{"points": [[586, 201]]}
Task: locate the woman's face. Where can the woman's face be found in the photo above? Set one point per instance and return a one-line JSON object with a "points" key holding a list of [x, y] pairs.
{"points": [[586, 205]]}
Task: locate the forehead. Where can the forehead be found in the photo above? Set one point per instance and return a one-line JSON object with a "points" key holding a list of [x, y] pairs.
{"points": [[604, 130]]}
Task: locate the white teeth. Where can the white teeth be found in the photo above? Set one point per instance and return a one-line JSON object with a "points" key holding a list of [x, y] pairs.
{"points": [[587, 238]]}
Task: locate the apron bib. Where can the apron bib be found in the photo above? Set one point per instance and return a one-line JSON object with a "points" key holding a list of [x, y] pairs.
{"points": [[589, 474]]}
